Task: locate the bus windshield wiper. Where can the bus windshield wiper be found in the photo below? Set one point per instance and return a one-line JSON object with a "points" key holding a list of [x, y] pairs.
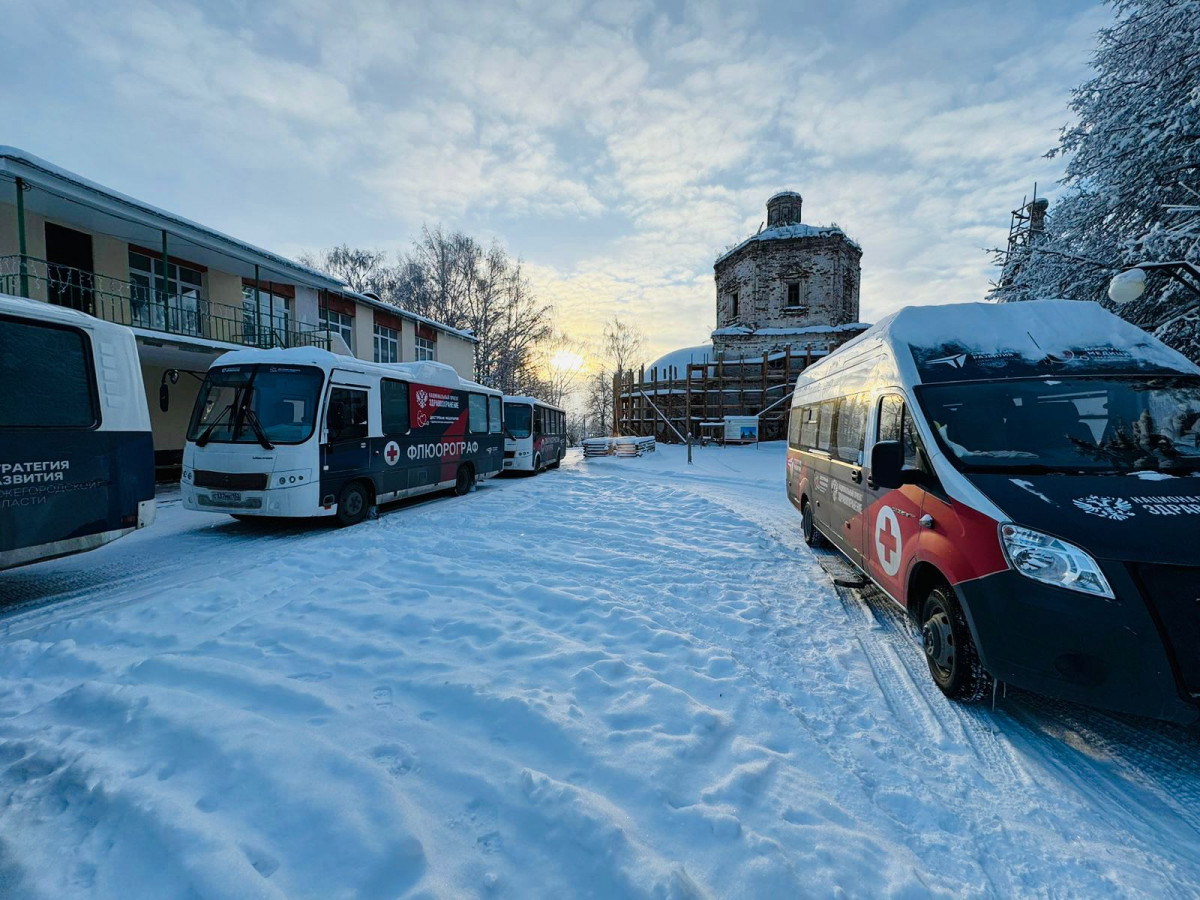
{"points": [[252, 417], [204, 438]]}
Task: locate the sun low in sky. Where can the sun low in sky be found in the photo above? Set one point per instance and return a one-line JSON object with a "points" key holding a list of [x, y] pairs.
{"points": [[617, 147]]}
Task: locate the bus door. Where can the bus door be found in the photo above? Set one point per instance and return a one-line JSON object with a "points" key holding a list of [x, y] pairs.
{"points": [[847, 495], [891, 527], [347, 449]]}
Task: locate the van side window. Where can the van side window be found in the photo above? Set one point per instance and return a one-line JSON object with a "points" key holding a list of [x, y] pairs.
{"points": [[494, 421], [808, 427], [891, 412], [911, 443], [477, 407], [825, 425], [851, 428], [539, 421], [393, 399], [895, 424], [49, 382]]}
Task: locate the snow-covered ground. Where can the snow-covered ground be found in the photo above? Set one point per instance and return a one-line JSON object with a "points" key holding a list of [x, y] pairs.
{"points": [[627, 678]]}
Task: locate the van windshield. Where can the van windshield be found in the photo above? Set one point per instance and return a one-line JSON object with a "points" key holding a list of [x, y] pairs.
{"points": [[518, 419], [256, 404], [1092, 424]]}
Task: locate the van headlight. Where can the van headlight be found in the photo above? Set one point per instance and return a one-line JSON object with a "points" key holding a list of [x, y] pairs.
{"points": [[1048, 559]]}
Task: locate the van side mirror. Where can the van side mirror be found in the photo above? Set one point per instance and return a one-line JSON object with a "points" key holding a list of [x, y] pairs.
{"points": [[164, 397], [887, 462]]}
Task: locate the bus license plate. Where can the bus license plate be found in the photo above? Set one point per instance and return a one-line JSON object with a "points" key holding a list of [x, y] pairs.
{"points": [[226, 496]]}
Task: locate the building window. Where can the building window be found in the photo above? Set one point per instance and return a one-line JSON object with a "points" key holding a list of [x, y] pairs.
{"points": [[793, 294], [734, 305], [175, 304], [426, 349], [338, 323], [387, 345], [265, 317]]}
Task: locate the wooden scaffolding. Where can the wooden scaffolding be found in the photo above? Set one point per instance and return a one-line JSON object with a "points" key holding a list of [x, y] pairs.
{"points": [[708, 392]]}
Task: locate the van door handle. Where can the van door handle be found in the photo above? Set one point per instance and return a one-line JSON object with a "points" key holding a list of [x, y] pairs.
{"points": [[856, 476]]}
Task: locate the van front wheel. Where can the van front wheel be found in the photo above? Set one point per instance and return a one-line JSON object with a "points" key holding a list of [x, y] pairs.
{"points": [[950, 650], [812, 537]]}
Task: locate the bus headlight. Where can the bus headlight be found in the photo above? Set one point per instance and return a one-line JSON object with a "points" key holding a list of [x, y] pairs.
{"points": [[1048, 559], [292, 478]]}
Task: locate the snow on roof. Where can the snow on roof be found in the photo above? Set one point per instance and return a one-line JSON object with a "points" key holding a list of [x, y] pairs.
{"points": [[427, 372], [971, 340], [521, 398], [679, 359], [781, 194], [109, 197], [734, 330], [38, 171], [787, 232]]}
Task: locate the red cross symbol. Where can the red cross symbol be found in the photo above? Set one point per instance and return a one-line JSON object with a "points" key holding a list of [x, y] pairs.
{"points": [[888, 541], [392, 452]]}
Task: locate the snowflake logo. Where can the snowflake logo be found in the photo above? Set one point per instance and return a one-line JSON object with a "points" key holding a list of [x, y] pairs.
{"points": [[1113, 508]]}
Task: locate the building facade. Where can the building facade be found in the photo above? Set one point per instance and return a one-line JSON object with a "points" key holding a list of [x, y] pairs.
{"points": [[189, 293], [790, 284], [784, 297]]}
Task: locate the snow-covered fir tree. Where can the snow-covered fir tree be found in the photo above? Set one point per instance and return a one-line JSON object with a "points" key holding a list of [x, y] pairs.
{"points": [[1133, 174]]}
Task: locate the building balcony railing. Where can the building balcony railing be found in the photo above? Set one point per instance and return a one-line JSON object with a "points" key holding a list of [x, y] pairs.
{"points": [[184, 312]]}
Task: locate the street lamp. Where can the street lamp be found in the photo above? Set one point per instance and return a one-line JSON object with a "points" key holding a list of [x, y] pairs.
{"points": [[1127, 286]]}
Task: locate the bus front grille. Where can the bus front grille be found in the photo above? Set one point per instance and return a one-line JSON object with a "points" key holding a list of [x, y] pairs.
{"points": [[233, 481]]}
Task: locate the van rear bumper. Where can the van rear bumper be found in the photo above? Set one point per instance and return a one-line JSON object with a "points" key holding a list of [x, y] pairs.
{"points": [[1104, 653]]}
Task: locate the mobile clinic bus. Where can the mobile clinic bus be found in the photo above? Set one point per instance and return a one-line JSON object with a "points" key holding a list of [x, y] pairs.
{"points": [[536, 435], [76, 455], [304, 432], [1025, 480]]}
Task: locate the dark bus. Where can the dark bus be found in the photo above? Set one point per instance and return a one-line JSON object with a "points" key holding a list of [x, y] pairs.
{"points": [[76, 455]]}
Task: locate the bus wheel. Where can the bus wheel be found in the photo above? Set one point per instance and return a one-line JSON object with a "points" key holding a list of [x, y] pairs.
{"points": [[353, 504], [462, 482], [537, 464], [812, 537], [555, 464], [950, 649]]}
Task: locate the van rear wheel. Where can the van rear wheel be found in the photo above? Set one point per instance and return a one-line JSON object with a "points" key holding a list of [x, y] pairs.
{"points": [[537, 464], [353, 504], [812, 537], [950, 650]]}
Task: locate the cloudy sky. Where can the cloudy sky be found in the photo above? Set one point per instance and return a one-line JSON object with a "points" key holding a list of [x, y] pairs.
{"points": [[618, 147]]}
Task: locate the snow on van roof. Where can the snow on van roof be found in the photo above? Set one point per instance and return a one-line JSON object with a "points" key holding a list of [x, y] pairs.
{"points": [[426, 372], [972, 341]]}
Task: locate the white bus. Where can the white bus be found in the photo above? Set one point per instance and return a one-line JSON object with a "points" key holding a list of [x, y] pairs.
{"points": [[304, 432], [76, 455], [535, 435]]}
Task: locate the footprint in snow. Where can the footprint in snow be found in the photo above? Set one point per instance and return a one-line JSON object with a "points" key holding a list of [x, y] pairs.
{"points": [[382, 696]]}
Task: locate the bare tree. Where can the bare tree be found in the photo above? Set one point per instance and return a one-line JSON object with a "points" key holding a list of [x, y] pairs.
{"points": [[598, 403], [560, 363], [450, 278], [361, 270], [622, 346]]}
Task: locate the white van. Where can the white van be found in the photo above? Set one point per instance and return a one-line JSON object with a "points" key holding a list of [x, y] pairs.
{"points": [[1025, 480]]}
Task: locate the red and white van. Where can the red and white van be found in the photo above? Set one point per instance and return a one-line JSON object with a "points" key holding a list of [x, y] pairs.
{"points": [[1024, 479]]}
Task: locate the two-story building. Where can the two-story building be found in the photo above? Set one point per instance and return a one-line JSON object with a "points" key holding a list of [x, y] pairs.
{"points": [[188, 292]]}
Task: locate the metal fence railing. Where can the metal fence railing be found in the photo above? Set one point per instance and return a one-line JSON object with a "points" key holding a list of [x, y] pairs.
{"points": [[184, 312]]}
